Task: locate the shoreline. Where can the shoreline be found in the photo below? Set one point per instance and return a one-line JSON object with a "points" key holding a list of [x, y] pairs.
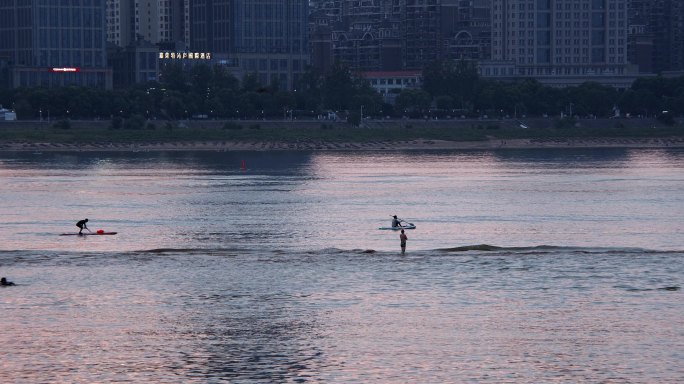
{"points": [[314, 145]]}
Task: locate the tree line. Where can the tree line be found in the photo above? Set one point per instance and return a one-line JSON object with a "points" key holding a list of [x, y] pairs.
{"points": [[449, 89]]}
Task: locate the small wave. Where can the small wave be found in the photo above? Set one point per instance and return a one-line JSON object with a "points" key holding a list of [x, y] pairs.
{"points": [[492, 248], [553, 248], [192, 251], [12, 256], [672, 288]]}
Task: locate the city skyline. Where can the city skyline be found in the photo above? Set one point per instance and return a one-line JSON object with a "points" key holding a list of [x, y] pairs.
{"points": [[558, 42]]}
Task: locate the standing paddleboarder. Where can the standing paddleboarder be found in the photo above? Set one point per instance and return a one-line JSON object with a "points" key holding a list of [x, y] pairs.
{"points": [[403, 238], [82, 225]]}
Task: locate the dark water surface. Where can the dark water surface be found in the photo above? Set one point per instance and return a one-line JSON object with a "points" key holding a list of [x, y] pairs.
{"points": [[266, 275]]}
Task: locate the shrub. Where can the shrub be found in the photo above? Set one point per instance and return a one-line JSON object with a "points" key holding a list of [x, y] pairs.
{"points": [[232, 126], [151, 126], [135, 122], [564, 123], [62, 124], [354, 119], [666, 118], [117, 123]]}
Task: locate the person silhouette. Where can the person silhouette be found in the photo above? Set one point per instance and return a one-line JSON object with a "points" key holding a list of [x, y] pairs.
{"points": [[82, 225], [396, 222], [403, 238]]}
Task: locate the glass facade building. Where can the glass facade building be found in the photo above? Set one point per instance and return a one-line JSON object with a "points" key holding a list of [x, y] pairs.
{"points": [[155, 21], [265, 37], [55, 42]]}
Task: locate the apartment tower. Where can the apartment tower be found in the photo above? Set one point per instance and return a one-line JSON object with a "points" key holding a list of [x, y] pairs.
{"points": [[49, 46], [553, 39]]}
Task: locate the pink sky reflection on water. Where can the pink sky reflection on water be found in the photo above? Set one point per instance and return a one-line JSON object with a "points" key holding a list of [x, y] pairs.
{"points": [[506, 198]]}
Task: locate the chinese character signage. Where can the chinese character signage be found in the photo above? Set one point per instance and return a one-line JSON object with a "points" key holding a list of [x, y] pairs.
{"points": [[184, 55]]}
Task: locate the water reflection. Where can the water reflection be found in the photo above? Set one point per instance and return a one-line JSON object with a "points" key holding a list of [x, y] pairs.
{"points": [[335, 316], [316, 200]]}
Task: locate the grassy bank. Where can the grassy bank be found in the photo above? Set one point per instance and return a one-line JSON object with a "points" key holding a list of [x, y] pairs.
{"points": [[306, 131]]}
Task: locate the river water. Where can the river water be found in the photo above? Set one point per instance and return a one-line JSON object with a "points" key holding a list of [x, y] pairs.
{"points": [[526, 266]]}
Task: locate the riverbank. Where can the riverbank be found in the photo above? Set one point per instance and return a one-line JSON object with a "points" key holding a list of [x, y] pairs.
{"points": [[318, 135], [665, 142]]}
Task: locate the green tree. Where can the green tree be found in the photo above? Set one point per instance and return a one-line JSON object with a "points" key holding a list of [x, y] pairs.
{"points": [[414, 102], [250, 82], [173, 76], [201, 78], [337, 88], [173, 107], [354, 118], [222, 79], [459, 80], [23, 109], [444, 102]]}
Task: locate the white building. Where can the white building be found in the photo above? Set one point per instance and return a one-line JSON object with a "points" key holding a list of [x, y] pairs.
{"points": [[557, 40], [390, 83], [7, 115]]}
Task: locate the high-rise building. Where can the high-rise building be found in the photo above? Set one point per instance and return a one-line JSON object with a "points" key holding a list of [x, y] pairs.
{"points": [[657, 35], [466, 29], [266, 37], [137, 30], [422, 36], [640, 37], [365, 35], [390, 35], [154, 21], [560, 42], [46, 45]]}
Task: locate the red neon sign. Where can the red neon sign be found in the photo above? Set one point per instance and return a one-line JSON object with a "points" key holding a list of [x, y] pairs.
{"points": [[65, 69]]}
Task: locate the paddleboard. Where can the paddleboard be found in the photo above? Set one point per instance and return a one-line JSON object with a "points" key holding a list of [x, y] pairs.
{"points": [[89, 234], [404, 226]]}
